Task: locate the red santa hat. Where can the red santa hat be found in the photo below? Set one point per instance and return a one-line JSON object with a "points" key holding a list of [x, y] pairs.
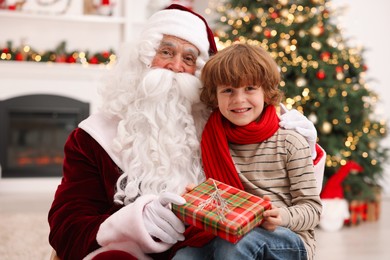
{"points": [[179, 21]]}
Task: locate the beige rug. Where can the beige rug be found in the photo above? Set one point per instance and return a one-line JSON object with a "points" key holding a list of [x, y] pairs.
{"points": [[24, 236]]}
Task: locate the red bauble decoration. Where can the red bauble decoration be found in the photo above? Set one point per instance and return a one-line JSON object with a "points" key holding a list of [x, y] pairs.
{"points": [[5, 50], [339, 69], [322, 30], [274, 15], [267, 33], [320, 74], [325, 56], [365, 67]]}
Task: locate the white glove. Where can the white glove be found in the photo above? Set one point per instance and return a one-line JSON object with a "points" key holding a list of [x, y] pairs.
{"points": [[161, 222], [295, 120]]}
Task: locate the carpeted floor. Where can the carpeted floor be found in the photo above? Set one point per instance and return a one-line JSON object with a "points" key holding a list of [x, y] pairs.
{"points": [[24, 228], [24, 236]]}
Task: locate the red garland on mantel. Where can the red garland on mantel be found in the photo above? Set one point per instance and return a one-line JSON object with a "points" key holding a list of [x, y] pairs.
{"points": [[58, 55]]}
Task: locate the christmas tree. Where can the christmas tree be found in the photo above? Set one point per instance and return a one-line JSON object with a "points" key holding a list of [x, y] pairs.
{"points": [[323, 77]]}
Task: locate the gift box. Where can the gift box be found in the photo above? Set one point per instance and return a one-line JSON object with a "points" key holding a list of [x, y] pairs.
{"points": [[221, 209]]}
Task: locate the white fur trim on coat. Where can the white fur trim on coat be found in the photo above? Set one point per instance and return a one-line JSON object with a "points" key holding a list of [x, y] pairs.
{"points": [[103, 130]]}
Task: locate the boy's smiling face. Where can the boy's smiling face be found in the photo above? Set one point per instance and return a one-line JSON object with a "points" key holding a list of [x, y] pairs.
{"points": [[242, 105]]}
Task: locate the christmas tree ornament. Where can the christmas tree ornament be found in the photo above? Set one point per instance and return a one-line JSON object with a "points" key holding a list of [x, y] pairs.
{"points": [[317, 30], [283, 43], [326, 127], [340, 76], [301, 82], [320, 74], [285, 13], [302, 33], [283, 2], [274, 15], [325, 56], [373, 145], [316, 45], [267, 33], [339, 69], [299, 19], [332, 42], [257, 28]]}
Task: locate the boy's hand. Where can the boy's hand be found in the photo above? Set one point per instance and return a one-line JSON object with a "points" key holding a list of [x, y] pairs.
{"points": [[190, 187], [272, 218]]}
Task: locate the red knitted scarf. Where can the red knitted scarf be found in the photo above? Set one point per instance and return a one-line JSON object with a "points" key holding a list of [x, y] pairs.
{"points": [[217, 161]]}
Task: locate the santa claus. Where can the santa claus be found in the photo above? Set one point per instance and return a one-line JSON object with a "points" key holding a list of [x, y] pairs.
{"points": [[125, 165]]}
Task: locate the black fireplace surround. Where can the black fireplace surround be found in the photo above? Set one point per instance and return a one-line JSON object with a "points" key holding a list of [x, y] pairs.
{"points": [[33, 131]]}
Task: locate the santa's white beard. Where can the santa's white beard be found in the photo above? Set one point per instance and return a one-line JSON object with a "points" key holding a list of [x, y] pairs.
{"points": [[157, 138]]}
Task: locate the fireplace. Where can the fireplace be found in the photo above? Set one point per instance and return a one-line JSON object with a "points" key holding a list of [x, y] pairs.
{"points": [[33, 131]]}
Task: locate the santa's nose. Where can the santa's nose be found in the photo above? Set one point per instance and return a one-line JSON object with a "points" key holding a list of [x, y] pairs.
{"points": [[176, 64]]}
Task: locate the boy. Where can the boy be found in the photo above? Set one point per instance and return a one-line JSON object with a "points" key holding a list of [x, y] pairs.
{"points": [[242, 145]]}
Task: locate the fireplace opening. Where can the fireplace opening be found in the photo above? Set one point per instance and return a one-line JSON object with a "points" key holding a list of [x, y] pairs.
{"points": [[33, 132]]}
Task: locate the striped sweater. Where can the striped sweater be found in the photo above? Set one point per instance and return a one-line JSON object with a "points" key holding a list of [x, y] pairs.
{"points": [[282, 168]]}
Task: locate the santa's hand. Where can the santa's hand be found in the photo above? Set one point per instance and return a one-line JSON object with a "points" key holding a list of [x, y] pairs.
{"points": [[292, 119], [161, 222]]}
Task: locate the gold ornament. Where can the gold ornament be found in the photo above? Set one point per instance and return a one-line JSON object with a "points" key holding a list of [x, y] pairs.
{"points": [[257, 28], [340, 76], [283, 43], [283, 2], [316, 30], [302, 33], [326, 127], [299, 18], [372, 145], [301, 82]]}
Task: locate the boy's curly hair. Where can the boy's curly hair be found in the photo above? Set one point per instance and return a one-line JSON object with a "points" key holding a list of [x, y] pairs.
{"points": [[239, 65]]}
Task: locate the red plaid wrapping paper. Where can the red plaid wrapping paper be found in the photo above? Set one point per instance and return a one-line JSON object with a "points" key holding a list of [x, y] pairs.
{"points": [[245, 211]]}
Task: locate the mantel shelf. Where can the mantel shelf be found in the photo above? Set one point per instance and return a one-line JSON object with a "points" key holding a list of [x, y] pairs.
{"points": [[47, 70], [65, 18]]}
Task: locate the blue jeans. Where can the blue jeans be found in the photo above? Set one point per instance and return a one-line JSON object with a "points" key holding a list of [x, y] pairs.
{"points": [[280, 244]]}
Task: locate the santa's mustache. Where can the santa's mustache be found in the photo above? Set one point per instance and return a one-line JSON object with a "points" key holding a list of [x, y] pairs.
{"points": [[158, 82]]}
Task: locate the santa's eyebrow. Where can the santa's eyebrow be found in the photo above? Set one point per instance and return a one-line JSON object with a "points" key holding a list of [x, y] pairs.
{"points": [[190, 49], [167, 43], [193, 51]]}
